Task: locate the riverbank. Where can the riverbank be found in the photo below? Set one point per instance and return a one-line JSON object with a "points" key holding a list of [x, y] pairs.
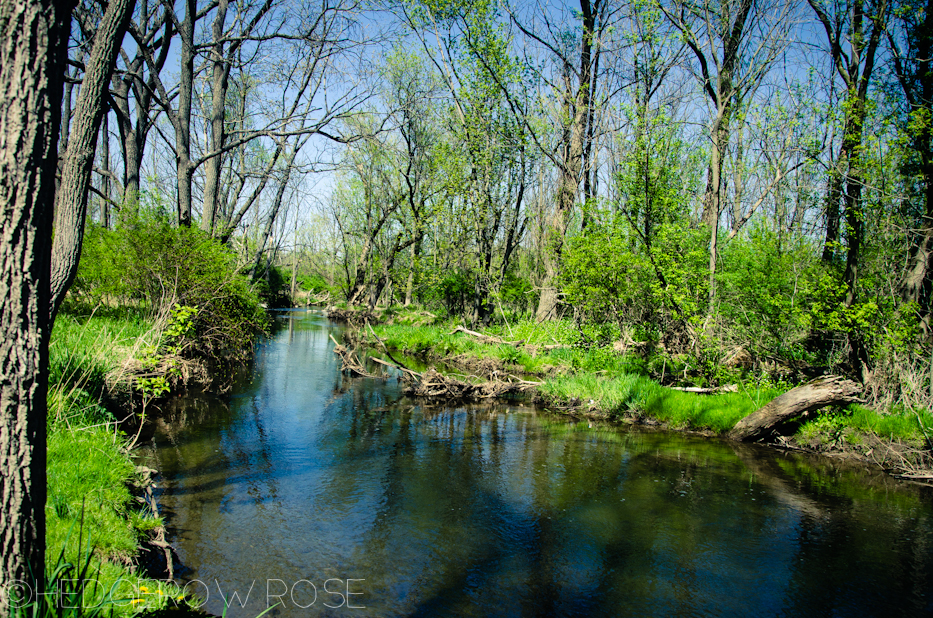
{"points": [[615, 382], [97, 511]]}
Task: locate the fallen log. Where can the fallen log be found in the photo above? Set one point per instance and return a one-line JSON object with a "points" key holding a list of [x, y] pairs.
{"points": [[811, 396], [728, 388], [485, 338]]}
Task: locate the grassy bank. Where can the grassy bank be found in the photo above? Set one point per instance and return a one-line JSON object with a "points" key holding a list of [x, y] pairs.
{"points": [[588, 379], [90, 472]]}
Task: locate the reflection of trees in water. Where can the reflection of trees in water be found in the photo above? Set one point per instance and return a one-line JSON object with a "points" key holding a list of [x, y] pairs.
{"points": [[496, 509]]}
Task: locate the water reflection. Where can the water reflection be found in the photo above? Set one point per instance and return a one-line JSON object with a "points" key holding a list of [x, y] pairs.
{"points": [[304, 476]]}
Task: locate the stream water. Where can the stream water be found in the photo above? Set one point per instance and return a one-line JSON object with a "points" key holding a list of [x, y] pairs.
{"points": [[337, 496]]}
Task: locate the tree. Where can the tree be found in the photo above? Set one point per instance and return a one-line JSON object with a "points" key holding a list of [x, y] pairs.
{"points": [[33, 51], [734, 42], [71, 199], [222, 57], [911, 43], [132, 92], [576, 55], [854, 30]]}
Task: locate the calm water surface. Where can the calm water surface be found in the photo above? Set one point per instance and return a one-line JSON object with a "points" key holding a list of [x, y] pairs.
{"points": [[337, 496]]}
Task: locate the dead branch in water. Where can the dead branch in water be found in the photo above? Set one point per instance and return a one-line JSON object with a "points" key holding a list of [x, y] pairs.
{"points": [[386, 349], [402, 368], [351, 362], [438, 386]]}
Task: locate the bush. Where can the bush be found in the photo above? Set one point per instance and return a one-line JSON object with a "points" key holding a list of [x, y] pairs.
{"points": [[611, 276], [453, 290], [149, 264], [768, 284]]}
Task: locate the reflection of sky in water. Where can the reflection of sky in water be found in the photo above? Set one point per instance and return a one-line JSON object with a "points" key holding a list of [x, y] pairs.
{"points": [[492, 510]]}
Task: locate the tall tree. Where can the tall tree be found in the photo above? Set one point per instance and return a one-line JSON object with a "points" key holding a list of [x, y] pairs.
{"points": [[33, 40], [133, 88], [223, 53], [911, 42], [577, 66], [71, 200], [854, 30], [735, 43]]}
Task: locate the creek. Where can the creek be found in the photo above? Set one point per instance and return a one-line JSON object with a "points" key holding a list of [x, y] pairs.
{"points": [[338, 496]]}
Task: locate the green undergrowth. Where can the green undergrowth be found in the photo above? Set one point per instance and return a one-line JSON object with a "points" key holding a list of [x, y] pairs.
{"points": [[853, 422], [598, 379], [438, 341], [89, 468]]}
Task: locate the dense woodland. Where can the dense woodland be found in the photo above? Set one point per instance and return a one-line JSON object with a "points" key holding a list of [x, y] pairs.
{"points": [[747, 180]]}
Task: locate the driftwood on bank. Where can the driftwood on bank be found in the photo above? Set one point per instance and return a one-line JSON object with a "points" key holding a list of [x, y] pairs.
{"points": [[497, 340], [728, 388], [811, 396], [485, 338], [434, 385]]}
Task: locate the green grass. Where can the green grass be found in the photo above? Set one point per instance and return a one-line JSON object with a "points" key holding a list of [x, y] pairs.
{"points": [[89, 470], [436, 341], [855, 421], [630, 394]]}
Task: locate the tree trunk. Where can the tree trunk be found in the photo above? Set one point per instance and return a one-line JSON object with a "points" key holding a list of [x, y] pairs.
{"points": [[577, 109], [71, 201], [814, 395], [33, 48], [105, 164], [415, 265], [219, 77], [183, 165], [133, 139], [833, 196]]}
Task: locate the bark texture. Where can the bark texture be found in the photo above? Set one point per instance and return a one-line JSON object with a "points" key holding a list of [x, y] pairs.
{"points": [[33, 37], [814, 395], [71, 201]]}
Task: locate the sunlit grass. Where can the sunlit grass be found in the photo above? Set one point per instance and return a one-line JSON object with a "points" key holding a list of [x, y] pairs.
{"points": [[604, 380], [636, 395], [89, 471]]}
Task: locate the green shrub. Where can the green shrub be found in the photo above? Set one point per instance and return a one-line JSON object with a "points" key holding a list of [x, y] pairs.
{"points": [[768, 284], [149, 264]]}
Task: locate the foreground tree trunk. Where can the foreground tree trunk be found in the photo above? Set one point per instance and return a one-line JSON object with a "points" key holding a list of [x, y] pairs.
{"points": [[814, 395], [33, 38]]}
